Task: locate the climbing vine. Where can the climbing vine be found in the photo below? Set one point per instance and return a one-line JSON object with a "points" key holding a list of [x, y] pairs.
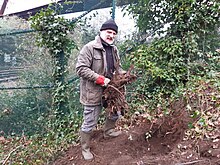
{"points": [[53, 33], [185, 38]]}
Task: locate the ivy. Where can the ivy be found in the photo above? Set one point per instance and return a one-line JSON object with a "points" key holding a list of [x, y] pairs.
{"points": [[164, 66], [53, 33], [186, 47]]}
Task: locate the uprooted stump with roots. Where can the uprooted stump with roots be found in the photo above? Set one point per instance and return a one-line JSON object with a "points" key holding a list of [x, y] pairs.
{"points": [[114, 94]]}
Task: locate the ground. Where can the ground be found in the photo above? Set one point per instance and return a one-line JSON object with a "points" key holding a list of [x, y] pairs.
{"points": [[162, 142]]}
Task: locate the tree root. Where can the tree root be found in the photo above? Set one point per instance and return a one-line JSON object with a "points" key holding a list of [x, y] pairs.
{"points": [[114, 94]]}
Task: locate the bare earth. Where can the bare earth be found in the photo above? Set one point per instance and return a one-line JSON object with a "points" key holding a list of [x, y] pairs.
{"points": [[164, 145]]}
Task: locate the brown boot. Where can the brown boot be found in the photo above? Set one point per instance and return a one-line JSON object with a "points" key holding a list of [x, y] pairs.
{"points": [[85, 142], [109, 129]]}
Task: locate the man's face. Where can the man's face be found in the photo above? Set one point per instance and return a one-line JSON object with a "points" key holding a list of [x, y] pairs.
{"points": [[108, 35]]}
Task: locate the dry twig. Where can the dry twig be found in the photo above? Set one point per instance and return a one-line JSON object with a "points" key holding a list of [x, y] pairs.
{"points": [[6, 159], [192, 162]]}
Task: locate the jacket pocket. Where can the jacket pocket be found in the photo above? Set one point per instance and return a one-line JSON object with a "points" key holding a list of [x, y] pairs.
{"points": [[97, 56], [97, 64], [94, 93]]}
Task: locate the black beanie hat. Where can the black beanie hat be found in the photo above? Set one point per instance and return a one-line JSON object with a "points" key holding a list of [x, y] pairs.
{"points": [[109, 24]]}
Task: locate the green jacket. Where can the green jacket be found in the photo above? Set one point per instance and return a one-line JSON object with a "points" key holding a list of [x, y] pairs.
{"points": [[90, 64]]}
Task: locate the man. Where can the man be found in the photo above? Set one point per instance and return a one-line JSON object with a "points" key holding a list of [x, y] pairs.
{"points": [[95, 65]]}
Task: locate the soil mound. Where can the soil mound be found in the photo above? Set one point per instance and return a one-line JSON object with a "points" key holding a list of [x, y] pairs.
{"points": [[148, 143]]}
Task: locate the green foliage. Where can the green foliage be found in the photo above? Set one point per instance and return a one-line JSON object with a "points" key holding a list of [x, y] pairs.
{"points": [[21, 110], [167, 68], [182, 15], [163, 67], [54, 35], [202, 98], [29, 112], [182, 50], [88, 30], [24, 111], [53, 32], [181, 19], [44, 144]]}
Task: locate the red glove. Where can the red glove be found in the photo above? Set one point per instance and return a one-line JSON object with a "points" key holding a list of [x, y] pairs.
{"points": [[103, 81]]}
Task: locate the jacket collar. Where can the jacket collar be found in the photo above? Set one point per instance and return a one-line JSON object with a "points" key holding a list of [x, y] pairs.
{"points": [[99, 43]]}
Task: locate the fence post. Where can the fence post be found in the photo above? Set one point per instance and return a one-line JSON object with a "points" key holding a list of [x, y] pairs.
{"points": [[60, 85], [113, 9]]}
